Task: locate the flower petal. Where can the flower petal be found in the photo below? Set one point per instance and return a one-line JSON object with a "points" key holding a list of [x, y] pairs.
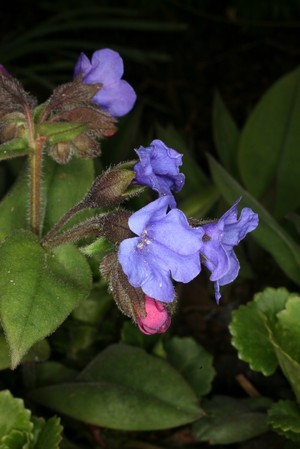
{"points": [[154, 211], [116, 98]]}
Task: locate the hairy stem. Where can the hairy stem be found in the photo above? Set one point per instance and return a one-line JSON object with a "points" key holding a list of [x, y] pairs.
{"points": [[35, 163], [63, 220]]}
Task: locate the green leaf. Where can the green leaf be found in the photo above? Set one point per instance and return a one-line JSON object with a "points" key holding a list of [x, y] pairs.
{"points": [[38, 353], [284, 417], [192, 362], [38, 289], [288, 329], [225, 133], [65, 186], [51, 372], [250, 329], [14, 148], [60, 131], [49, 435], [14, 206], [13, 415], [269, 144], [125, 388], [230, 420], [269, 234], [16, 440]]}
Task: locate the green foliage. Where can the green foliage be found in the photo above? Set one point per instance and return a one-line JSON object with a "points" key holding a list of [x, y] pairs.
{"points": [[125, 388], [64, 187], [284, 417], [269, 145], [14, 148], [266, 334], [20, 430], [32, 292], [228, 420], [192, 362]]}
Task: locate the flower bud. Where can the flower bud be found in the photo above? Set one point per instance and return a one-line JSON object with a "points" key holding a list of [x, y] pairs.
{"points": [[115, 226], [108, 188], [156, 320], [62, 152]]}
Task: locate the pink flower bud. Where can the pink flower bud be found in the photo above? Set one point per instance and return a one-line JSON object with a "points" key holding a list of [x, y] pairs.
{"points": [[156, 320]]}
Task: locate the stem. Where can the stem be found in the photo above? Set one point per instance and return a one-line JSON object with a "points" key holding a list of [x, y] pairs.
{"points": [[91, 228], [35, 162], [62, 221]]}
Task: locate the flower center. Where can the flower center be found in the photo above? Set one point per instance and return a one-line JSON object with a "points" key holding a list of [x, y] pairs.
{"points": [[144, 240]]}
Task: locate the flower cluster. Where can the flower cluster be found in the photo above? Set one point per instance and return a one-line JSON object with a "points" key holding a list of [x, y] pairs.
{"points": [[165, 245], [155, 245]]}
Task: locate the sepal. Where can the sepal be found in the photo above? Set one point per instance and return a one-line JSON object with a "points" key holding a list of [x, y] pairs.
{"points": [[129, 300]]}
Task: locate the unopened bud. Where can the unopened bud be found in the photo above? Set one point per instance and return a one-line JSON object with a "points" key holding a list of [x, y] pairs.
{"points": [[86, 147], [108, 188], [115, 226], [129, 300], [62, 152], [157, 319]]}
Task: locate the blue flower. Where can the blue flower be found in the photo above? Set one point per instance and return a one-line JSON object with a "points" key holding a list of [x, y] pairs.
{"points": [[116, 96], [158, 168], [166, 246], [218, 242]]}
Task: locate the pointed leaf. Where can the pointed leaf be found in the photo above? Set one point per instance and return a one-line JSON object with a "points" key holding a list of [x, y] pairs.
{"points": [[38, 289], [269, 234], [230, 420], [193, 362], [226, 134], [125, 388], [38, 353], [269, 145]]}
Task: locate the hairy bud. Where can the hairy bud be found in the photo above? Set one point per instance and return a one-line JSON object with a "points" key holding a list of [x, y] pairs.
{"points": [[115, 226], [108, 188], [129, 300]]}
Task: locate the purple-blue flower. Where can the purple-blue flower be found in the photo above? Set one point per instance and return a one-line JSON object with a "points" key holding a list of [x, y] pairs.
{"points": [[116, 96], [219, 239], [166, 246], [158, 168]]}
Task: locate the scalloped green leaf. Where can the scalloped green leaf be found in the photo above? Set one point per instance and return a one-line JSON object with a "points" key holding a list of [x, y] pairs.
{"points": [[193, 362], [269, 234], [38, 289], [225, 133], [250, 329], [16, 440], [228, 420], [269, 144], [49, 433], [13, 415], [288, 329], [65, 186], [250, 337], [284, 417], [125, 388]]}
